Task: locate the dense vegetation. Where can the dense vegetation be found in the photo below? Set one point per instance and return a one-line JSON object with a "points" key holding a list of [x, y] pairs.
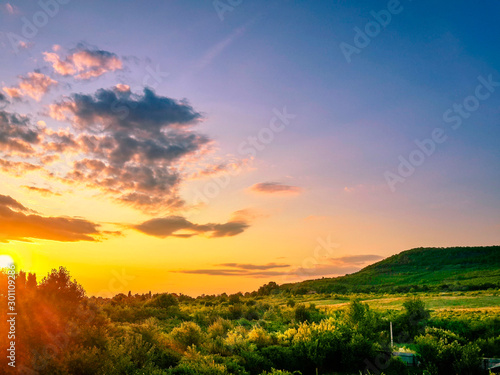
{"points": [[271, 331]]}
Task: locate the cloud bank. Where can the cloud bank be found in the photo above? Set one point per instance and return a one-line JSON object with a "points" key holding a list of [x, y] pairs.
{"points": [[18, 223], [130, 145]]}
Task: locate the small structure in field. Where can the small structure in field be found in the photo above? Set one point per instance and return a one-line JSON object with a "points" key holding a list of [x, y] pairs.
{"points": [[409, 359]]}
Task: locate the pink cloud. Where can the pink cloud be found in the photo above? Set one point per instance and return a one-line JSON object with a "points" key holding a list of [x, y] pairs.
{"points": [[84, 63], [34, 85], [11, 9]]}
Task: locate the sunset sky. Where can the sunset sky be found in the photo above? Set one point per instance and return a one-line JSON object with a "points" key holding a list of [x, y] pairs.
{"points": [[203, 147]]}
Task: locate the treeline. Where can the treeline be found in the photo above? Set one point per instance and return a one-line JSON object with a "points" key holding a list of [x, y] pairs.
{"points": [[318, 287], [62, 331]]}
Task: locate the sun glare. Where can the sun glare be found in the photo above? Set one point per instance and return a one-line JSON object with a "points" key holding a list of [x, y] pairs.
{"points": [[6, 261]]}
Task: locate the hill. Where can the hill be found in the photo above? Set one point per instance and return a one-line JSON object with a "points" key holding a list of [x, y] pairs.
{"points": [[421, 269]]}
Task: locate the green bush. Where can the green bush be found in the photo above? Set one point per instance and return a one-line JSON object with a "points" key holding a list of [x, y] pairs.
{"points": [[301, 313], [189, 333], [441, 352]]}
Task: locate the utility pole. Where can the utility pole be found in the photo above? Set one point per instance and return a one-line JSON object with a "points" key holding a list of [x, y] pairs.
{"points": [[392, 341]]}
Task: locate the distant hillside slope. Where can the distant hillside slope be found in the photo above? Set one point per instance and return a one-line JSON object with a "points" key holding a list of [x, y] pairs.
{"points": [[452, 268]]}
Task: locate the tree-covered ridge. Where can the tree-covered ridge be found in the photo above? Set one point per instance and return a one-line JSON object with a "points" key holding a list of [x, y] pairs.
{"points": [[420, 269]]}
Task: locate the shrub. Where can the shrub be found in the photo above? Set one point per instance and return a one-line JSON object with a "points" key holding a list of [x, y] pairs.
{"points": [[441, 352], [259, 336], [189, 333], [301, 313], [252, 314], [165, 301], [396, 366], [235, 312], [219, 328]]}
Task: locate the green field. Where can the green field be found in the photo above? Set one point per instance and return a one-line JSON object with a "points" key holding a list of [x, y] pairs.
{"points": [[443, 301]]}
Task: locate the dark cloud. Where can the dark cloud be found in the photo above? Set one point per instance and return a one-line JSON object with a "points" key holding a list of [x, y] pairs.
{"points": [[137, 148], [132, 144], [10, 202], [171, 225], [17, 134], [116, 110], [17, 223], [231, 228], [275, 188], [3, 101], [60, 142]]}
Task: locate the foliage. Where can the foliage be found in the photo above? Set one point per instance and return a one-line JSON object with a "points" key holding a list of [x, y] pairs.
{"points": [[417, 270], [187, 334], [65, 332], [444, 352]]}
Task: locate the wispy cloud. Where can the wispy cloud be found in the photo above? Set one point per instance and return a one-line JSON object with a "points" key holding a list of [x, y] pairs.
{"points": [[83, 62], [248, 266], [34, 85], [11, 9], [335, 266], [231, 272], [218, 48], [18, 168], [275, 188], [41, 191], [330, 267]]}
